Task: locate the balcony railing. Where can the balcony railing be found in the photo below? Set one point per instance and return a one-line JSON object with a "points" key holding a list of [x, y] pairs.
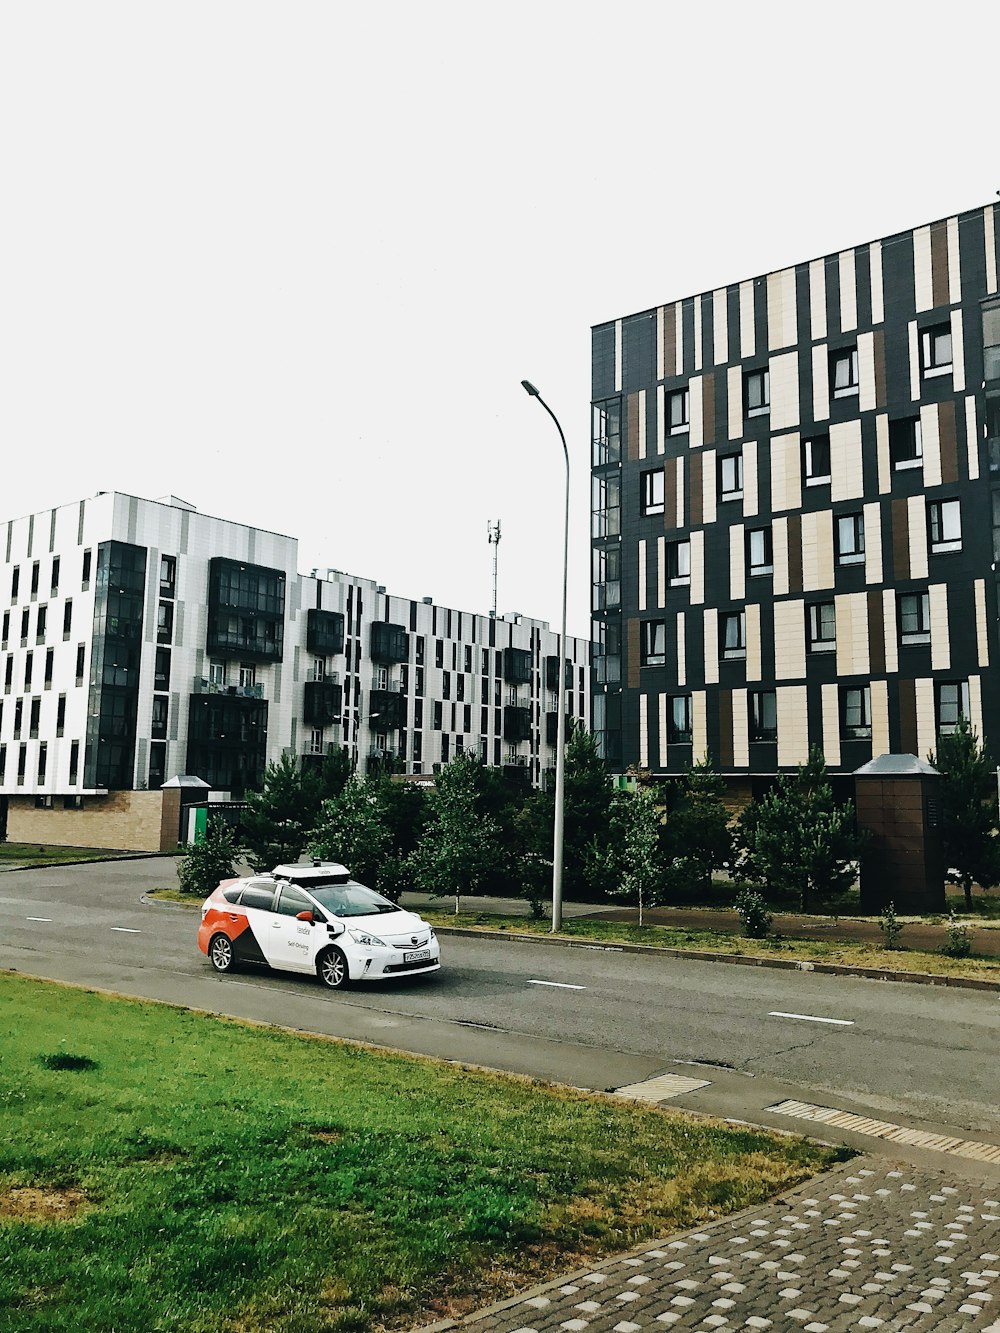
{"points": [[204, 686], [387, 686], [318, 673]]}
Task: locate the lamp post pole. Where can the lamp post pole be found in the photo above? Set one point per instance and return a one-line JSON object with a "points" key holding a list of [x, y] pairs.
{"points": [[557, 835]]}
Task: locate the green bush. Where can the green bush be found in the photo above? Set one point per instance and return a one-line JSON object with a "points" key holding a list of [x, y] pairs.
{"points": [[753, 913], [209, 861], [891, 927], [959, 943]]}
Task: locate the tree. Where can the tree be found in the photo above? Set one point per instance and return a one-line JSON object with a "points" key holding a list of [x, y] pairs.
{"points": [[968, 810], [459, 845], [209, 860], [335, 772], [279, 818], [638, 818], [353, 830], [587, 795], [798, 840], [696, 837]]}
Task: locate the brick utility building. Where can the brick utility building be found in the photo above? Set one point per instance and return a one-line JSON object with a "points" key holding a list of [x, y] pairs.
{"points": [[796, 519], [142, 640]]}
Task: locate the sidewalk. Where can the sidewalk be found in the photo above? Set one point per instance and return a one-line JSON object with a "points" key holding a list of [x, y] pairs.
{"points": [[866, 1246]]}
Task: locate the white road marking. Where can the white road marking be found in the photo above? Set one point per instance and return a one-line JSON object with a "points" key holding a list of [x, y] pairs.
{"points": [[38, 918], [560, 985], [126, 930], [811, 1018]]}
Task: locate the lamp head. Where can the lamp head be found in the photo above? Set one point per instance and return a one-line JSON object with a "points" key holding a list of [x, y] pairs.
{"points": [[529, 388]]}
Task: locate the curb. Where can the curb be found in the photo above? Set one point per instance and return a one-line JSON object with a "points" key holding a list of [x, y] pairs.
{"points": [[90, 861], [740, 960]]}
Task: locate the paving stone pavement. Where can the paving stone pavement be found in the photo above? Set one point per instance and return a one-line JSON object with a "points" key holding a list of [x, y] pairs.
{"points": [[869, 1245]]}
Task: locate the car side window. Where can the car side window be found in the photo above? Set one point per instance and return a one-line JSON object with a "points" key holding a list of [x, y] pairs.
{"points": [[233, 895], [256, 895], [293, 901]]}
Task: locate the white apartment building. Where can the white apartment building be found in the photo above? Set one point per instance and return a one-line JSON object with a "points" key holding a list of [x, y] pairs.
{"points": [[142, 640]]}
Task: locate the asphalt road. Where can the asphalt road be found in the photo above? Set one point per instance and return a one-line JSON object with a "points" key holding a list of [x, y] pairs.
{"points": [[591, 1017]]}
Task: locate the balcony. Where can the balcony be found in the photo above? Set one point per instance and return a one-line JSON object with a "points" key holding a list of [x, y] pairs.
{"points": [[552, 727], [386, 686], [324, 632], [386, 710], [323, 703], [552, 674], [389, 643], [320, 673], [201, 685], [516, 723], [517, 666]]}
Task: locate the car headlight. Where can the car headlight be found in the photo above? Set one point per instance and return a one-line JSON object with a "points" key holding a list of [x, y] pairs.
{"points": [[369, 941]]}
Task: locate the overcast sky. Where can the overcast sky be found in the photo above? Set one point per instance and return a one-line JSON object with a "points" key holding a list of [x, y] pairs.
{"points": [[291, 261]]}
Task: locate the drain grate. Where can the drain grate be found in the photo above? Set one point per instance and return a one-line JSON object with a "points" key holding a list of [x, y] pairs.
{"points": [[884, 1129]]}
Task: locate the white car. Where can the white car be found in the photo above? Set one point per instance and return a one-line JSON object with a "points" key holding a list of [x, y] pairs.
{"points": [[314, 919]]}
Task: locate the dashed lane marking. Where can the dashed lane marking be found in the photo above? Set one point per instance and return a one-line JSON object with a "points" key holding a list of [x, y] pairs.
{"points": [[884, 1129], [126, 930], [38, 918], [813, 1018], [559, 985]]}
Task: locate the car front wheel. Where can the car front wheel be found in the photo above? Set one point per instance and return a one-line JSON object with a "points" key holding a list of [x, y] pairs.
{"points": [[332, 969], [220, 951]]}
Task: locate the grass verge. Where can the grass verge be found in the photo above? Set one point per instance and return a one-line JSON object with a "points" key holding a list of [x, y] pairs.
{"points": [[161, 1169], [35, 854], [846, 953]]}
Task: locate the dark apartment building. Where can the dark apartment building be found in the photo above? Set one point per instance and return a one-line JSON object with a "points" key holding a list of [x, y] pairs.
{"points": [[796, 511]]}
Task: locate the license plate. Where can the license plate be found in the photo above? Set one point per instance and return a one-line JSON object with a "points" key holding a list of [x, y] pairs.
{"points": [[416, 956]]}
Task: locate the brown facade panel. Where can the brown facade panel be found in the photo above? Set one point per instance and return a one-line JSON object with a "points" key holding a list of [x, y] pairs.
{"points": [[708, 408], [726, 750], [939, 263], [876, 633], [948, 436], [632, 648], [694, 490], [907, 693], [632, 427], [879, 348], [795, 553], [900, 539]]}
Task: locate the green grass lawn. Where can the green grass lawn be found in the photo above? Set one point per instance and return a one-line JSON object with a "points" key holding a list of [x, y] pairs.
{"points": [[34, 854], [161, 1169], [846, 953]]}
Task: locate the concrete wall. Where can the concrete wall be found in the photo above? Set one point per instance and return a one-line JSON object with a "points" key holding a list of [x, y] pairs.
{"points": [[133, 821]]}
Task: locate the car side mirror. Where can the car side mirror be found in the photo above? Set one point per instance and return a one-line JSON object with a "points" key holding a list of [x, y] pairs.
{"points": [[303, 916]]}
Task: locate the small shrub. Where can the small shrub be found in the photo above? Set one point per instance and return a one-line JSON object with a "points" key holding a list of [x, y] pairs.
{"points": [[891, 927], [959, 943], [753, 913], [209, 861]]}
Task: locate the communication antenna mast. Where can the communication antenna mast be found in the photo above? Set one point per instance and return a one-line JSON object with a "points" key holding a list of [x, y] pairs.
{"points": [[493, 533]]}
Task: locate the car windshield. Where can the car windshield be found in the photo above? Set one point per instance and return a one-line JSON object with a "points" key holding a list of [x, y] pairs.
{"points": [[351, 900]]}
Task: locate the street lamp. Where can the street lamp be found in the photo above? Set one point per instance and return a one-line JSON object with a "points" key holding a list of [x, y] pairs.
{"points": [[557, 836]]}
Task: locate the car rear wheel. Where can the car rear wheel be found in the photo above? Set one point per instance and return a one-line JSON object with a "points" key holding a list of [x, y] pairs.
{"points": [[220, 951], [332, 969]]}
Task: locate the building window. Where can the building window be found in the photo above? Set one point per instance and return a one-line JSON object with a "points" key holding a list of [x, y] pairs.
{"points": [[15, 582], [61, 715], [18, 717], [607, 577], [935, 351], [763, 715], [951, 701], [816, 460], [679, 720], [945, 523], [914, 609], [50, 654], [28, 662], [159, 719], [759, 552], [24, 627], [34, 579], [34, 719], [248, 675], [4, 636], [40, 624], [164, 622], [446, 684], [81, 653], [607, 432], [756, 393], [733, 635], [74, 762], [67, 618], [651, 496], [439, 652], [678, 419], [55, 576], [607, 507], [822, 627], [906, 448], [161, 669], [678, 563], [731, 477], [851, 539], [43, 754], [844, 372], [855, 712], [168, 575], [438, 713], [85, 578], [418, 649], [654, 643]]}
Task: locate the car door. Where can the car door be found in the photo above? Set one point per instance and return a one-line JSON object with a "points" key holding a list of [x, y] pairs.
{"points": [[250, 945], [292, 943]]}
